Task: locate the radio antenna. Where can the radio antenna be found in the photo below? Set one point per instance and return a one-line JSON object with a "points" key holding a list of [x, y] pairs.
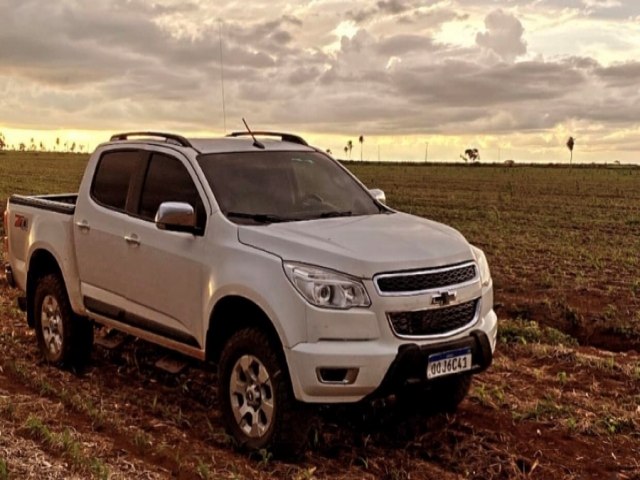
{"points": [[256, 143], [224, 110]]}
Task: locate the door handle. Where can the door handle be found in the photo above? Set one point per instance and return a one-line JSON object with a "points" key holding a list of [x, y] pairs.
{"points": [[83, 225], [132, 240]]}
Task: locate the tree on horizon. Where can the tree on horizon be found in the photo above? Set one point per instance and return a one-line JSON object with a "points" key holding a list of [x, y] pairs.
{"points": [[570, 143], [471, 154], [361, 140]]}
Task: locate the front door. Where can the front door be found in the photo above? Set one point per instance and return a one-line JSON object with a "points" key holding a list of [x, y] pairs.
{"points": [[165, 275]]}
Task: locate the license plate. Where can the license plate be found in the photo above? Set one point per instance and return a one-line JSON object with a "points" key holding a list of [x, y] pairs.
{"points": [[448, 363]]}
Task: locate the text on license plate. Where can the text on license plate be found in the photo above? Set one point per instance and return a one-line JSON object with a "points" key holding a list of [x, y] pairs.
{"points": [[447, 363]]}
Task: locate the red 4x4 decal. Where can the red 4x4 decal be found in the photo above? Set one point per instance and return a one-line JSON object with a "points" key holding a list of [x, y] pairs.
{"points": [[21, 222]]}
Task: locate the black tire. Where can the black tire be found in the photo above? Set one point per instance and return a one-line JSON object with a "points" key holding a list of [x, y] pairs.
{"points": [[65, 339], [287, 432], [439, 396]]}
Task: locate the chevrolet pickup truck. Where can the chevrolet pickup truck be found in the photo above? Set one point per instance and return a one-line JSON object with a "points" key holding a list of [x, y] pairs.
{"points": [[265, 258]]}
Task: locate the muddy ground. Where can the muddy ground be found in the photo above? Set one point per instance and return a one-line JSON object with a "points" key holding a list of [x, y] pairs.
{"points": [[544, 410], [561, 401]]}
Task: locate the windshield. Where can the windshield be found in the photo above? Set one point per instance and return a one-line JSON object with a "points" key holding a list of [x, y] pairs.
{"points": [[267, 187]]}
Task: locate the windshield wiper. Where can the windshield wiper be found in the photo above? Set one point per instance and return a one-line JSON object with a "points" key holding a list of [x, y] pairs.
{"points": [[332, 214], [261, 217]]}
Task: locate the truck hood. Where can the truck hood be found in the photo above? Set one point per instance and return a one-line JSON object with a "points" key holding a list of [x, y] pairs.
{"points": [[362, 246]]}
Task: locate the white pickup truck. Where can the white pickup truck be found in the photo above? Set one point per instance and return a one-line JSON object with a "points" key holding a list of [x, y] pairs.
{"points": [[264, 257]]}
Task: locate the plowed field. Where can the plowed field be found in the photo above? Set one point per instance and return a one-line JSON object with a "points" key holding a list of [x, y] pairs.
{"points": [[562, 399]]}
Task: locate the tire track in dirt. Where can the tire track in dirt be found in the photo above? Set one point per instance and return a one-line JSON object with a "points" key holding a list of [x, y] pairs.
{"points": [[29, 419]]}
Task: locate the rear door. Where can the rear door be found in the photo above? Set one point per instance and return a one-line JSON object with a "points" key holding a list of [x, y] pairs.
{"points": [[100, 225]]}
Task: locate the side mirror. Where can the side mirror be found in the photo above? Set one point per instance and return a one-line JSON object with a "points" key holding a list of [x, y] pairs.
{"points": [[176, 217], [378, 195]]}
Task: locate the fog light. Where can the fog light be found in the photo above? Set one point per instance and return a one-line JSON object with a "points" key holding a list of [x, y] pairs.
{"points": [[341, 376]]}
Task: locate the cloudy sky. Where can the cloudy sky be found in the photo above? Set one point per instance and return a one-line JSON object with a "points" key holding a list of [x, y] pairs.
{"points": [[513, 78]]}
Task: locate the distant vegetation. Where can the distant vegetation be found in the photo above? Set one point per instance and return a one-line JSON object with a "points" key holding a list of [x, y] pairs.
{"points": [[60, 145], [471, 155], [570, 144]]}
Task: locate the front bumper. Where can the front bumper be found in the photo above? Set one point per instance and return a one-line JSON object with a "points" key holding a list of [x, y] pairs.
{"points": [[410, 365], [383, 365], [8, 273]]}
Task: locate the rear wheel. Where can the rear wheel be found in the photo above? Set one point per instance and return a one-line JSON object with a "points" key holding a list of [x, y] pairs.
{"points": [[65, 339], [257, 402]]}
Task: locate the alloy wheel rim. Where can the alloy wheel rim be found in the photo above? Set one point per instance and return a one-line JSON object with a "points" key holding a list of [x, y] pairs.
{"points": [[51, 322], [252, 398]]}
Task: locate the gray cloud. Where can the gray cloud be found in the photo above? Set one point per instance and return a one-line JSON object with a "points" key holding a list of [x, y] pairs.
{"points": [[431, 19], [404, 43], [124, 64], [503, 35], [597, 9], [304, 75], [622, 75], [385, 8], [394, 6]]}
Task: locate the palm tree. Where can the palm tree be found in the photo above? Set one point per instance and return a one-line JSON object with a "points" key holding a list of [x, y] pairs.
{"points": [[361, 140], [57, 142], [350, 147], [346, 149], [570, 143]]}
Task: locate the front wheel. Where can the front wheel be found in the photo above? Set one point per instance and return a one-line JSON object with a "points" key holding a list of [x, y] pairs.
{"points": [[257, 402], [65, 339], [440, 396]]}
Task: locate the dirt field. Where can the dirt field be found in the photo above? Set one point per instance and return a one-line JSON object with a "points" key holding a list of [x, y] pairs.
{"points": [[562, 243], [563, 250]]}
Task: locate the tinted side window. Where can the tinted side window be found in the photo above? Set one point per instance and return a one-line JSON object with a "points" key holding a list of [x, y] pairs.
{"points": [[167, 180], [112, 178]]}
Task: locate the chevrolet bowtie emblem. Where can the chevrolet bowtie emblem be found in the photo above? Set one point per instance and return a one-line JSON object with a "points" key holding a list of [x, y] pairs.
{"points": [[443, 298]]}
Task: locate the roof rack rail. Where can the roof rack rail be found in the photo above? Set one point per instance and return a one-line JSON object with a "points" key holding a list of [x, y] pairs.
{"points": [[285, 137], [168, 137]]}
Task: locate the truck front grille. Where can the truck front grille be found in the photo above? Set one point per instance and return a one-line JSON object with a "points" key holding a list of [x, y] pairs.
{"points": [[435, 321], [415, 282]]}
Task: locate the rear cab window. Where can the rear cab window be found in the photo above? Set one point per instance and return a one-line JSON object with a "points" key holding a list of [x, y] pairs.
{"points": [[113, 177]]}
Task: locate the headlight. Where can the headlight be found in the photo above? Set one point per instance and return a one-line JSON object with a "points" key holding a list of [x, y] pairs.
{"points": [[485, 274], [326, 288]]}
